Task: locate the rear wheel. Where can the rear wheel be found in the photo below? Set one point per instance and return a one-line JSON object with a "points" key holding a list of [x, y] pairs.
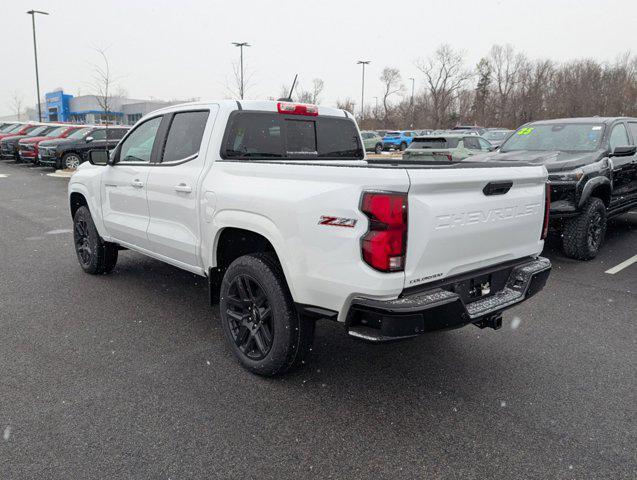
{"points": [[94, 254], [403, 147], [259, 319], [71, 161], [583, 235], [378, 149]]}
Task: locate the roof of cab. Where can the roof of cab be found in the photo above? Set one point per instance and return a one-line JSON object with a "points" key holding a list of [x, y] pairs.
{"points": [[252, 105], [583, 120]]}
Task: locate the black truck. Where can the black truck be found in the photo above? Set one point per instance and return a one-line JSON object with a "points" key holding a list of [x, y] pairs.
{"points": [[69, 152], [592, 166]]}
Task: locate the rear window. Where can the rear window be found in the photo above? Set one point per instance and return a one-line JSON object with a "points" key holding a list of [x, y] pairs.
{"points": [[264, 135], [437, 143]]}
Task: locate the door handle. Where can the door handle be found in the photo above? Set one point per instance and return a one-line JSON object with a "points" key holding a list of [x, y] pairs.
{"points": [[182, 187], [137, 184]]}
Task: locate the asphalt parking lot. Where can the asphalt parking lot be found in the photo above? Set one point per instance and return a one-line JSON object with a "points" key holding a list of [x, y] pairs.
{"points": [[127, 375]]}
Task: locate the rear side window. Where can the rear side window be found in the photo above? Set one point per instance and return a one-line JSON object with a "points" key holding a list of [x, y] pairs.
{"points": [[265, 135], [471, 143], [184, 136]]}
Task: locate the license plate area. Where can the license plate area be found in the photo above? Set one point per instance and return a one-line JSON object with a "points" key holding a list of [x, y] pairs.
{"points": [[481, 286]]}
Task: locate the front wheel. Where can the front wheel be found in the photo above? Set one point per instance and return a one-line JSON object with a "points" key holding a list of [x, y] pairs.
{"points": [[259, 319], [378, 149], [94, 254], [71, 161], [583, 235], [403, 147]]}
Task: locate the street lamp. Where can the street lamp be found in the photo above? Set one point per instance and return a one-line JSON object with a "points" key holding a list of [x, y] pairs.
{"points": [[35, 52], [241, 45], [363, 63]]}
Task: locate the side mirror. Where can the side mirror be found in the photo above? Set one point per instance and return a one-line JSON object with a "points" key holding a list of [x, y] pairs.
{"points": [[98, 157], [624, 151], [89, 139], [492, 148]]}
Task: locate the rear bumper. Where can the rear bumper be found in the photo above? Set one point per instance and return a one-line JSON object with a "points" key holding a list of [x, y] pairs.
{"points": [[447, 305]]}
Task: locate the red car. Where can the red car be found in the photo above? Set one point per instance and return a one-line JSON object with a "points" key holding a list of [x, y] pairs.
{"points": [[28, 147], [16, 129]]}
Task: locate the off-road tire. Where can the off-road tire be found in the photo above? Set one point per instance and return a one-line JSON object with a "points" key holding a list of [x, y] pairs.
{"points": [[94, 255], [578, 239], [292, 334]]}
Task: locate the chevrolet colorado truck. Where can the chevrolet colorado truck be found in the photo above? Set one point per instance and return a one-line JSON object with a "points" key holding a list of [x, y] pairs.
{"points": [[276, 204], [592, 167]]}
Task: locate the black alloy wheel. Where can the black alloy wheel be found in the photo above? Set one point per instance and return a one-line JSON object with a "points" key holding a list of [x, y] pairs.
{"points": [[249, 316], [82, 236]]}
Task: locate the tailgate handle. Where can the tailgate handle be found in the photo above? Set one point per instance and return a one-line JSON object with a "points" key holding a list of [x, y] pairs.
{"points": [[497, 188]]}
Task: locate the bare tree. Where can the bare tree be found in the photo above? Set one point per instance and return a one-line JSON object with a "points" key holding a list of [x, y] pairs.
{"points": [[445, 76], [103, 82], [233, 84], [506, 66], [313, 95], [347, 104], [392, 84], [17, 103]]}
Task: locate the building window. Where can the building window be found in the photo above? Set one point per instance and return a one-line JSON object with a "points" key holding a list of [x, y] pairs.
{"points": [[133, 118], [78, 118]]}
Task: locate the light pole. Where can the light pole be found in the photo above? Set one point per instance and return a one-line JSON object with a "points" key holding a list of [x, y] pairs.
{"points": [[35, 52], [241, 45], [411, 101], [363, 63]]}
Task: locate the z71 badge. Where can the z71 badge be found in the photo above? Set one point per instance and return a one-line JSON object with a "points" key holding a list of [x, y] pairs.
{"points": [[337, 221]]}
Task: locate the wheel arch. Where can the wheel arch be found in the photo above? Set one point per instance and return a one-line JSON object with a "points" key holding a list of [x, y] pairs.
{"points": [[599, 187], [240, 233]]}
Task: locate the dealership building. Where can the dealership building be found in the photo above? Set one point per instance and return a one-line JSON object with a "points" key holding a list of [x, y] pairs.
{"points": [[63, 107]]}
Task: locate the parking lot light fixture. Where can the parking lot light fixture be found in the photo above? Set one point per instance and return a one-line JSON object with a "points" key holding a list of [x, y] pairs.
{"points": [[35, 53], [363, 63], [241, 45]]}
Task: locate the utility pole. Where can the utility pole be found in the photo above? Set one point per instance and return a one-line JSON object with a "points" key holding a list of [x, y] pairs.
{"points": [[411, 101], [241, 45], [35, 52], [363, 63]]}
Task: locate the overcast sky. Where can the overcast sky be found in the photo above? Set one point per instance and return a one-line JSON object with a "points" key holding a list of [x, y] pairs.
{"points": [[176, 49]]}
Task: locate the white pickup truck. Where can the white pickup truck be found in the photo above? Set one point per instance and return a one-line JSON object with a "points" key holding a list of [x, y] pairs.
{"points": [[278, 206]]}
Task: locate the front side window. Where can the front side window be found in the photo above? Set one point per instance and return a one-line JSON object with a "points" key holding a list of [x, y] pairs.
{"points": [[618, 137], [99, 135], [184, 136], [138, 146], [484, 145]]}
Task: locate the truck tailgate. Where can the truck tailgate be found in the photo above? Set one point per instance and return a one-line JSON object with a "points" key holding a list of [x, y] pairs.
{"points": [[466, 219]]}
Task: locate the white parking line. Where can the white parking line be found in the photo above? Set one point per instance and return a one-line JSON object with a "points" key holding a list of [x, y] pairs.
{"points": [[621, 266]]}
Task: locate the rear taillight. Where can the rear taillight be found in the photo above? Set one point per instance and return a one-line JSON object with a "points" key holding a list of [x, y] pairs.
{"points": [[547, 207], [297, 109], [385, 244]]}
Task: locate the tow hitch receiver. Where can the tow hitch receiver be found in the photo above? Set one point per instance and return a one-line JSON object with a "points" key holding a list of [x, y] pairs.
{"points": [[494, 322]]}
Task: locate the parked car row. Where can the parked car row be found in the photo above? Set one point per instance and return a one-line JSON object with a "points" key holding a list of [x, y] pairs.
{"points": [[54, 144], [592, 166]]}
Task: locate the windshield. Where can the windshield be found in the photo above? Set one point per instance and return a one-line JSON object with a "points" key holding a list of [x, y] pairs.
{"points": [[263, 135], [569, 137], [56, 132], [9, 128], [81, 133], [38, 131], [501, 135]]}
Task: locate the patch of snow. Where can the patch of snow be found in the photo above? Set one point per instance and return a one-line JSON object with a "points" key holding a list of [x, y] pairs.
{"points": [[58, 231], [7, 433], [515, 323]]}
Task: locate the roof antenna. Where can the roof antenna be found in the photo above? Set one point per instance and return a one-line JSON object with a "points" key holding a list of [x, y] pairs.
{"points": [[289, 97]]}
